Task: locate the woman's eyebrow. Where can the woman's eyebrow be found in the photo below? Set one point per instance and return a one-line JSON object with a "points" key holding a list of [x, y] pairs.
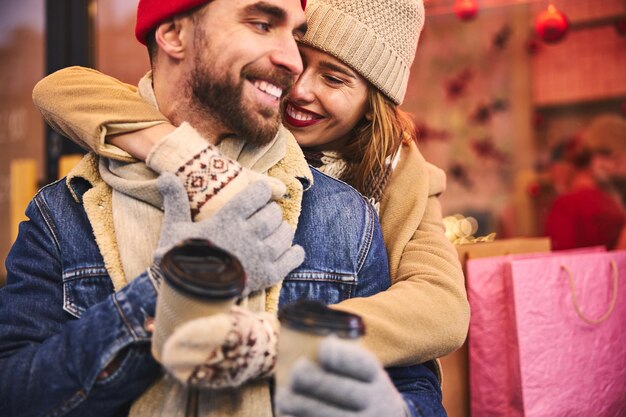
{"points": [[334, 67]]}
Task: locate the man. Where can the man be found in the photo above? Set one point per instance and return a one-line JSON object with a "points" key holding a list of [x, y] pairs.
{"points": [[76, 314]]}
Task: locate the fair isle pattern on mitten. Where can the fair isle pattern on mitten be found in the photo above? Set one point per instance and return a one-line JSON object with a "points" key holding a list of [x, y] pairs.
{"points": [[205, 175], [249, 352]]}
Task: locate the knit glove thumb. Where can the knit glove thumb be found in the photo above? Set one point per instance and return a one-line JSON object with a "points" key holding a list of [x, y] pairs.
{"points": [[347, 380], [210, 178], [224, 350], [249, 226]]}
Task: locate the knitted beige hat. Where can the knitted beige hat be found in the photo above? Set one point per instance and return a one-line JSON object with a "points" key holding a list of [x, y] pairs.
{"points": [[376, 38]]}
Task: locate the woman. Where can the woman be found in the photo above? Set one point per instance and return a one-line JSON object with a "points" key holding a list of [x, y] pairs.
{"points": [[344, 113]]}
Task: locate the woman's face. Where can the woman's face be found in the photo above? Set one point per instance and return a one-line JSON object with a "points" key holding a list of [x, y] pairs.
{"points": [[326, 103]]}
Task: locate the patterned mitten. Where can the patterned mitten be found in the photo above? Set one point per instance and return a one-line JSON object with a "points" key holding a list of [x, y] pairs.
{"points": [[347, 380], [210, 178], [224, 350]]}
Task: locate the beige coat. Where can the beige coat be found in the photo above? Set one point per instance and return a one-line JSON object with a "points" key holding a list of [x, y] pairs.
{"points": [[425, 313]]}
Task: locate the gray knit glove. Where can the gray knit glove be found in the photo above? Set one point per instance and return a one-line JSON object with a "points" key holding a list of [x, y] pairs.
{"points": [[249, 226], [347, 381]]}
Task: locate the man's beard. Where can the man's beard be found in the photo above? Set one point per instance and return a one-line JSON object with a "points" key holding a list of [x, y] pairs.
{"points": [[223, 99]]}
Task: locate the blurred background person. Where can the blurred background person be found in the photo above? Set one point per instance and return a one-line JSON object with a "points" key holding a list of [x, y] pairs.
{"points": [[587, 212], [606, 138]]}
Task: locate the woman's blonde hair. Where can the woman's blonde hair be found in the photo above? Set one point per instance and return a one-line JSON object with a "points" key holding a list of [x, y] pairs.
{"points": [[376, 137]]}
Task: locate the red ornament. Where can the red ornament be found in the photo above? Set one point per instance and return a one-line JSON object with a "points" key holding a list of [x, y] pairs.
{"points": [[466, 9], [551, 25]]}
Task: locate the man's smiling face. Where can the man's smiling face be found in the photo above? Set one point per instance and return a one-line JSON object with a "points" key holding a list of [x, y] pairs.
{"points": [[244, 57]]}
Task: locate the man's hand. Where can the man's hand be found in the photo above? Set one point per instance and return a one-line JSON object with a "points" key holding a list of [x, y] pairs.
{"points": [[224, 350], [249, 226], [347, 381]]}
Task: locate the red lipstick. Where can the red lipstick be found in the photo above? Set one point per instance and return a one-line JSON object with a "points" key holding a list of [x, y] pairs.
{"points": [[296, 112]]}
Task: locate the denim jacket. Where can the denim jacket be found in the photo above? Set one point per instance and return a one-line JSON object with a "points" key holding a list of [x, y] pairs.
{"points": [[61, 323]]}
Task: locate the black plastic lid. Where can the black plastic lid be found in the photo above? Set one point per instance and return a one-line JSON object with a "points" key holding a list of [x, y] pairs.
{"points": [[197, 268], [315, 317]]}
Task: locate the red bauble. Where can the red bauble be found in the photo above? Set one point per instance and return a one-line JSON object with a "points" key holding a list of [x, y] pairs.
{"points": [[466, 9], [551, 25]]}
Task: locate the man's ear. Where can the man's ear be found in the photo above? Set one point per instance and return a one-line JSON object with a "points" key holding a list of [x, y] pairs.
{"points": [[170, 37]]}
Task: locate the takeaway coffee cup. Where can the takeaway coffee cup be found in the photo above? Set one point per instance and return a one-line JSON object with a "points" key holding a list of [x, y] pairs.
{"points": [[199, 280], [303, 326]]}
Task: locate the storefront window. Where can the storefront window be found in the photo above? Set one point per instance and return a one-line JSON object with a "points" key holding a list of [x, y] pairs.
{"points": [[21, 129], [117, 52]]}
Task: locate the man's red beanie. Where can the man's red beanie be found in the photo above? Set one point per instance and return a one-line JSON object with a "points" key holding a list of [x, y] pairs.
{"points": [[150, 13]]}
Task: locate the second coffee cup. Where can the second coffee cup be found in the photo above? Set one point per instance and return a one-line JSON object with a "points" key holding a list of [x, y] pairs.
{"points": [[303, 325]]}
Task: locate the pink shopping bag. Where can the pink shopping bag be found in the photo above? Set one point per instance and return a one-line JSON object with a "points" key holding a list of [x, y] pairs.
{"points": [[570, 316], [494, 372]]}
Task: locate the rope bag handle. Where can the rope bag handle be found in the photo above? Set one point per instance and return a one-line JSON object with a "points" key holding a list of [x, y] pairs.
{"points": [[611, 307]]}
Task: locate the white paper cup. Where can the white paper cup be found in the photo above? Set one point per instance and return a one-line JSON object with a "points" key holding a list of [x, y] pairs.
{"points": [[199, 280]]}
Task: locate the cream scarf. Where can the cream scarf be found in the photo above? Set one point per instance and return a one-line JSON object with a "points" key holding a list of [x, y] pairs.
{"points": [[137, 217]]}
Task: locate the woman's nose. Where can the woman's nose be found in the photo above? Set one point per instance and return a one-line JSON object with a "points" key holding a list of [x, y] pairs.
{"points": [[303, 90]]}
